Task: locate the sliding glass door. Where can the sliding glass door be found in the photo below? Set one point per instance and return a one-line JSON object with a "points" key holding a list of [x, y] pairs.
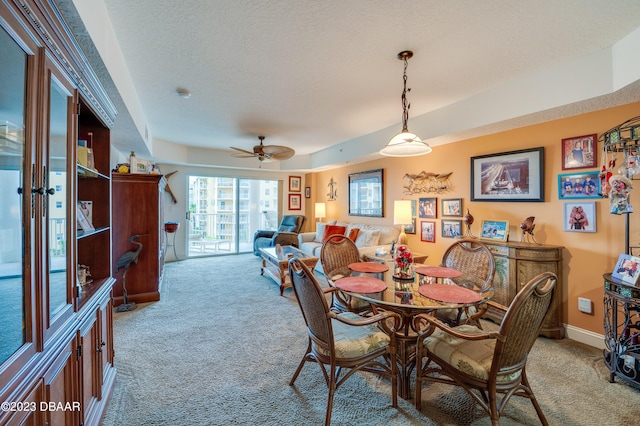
{"points": [[224, 213]]}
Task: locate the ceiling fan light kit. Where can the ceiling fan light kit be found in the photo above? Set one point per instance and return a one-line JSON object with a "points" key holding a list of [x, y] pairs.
{"points": [[405, 143]]}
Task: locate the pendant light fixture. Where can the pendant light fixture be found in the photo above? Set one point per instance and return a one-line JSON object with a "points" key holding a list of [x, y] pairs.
{"points": [[405, 144]]}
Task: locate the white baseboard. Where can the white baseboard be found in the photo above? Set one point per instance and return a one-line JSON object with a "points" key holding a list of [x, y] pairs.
{"points": [[584, 336]]}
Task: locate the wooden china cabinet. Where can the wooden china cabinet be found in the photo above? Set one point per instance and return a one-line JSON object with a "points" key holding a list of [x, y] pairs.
{"points": [[56, 335], [138, 210]]}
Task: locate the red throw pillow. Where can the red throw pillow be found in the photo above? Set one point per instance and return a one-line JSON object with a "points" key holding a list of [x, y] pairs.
{"points": [[330, 230], [353, 234]]}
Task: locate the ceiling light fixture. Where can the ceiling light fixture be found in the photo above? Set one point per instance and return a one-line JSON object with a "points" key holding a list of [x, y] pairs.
{"points": [[405, 144], [183, 93]]}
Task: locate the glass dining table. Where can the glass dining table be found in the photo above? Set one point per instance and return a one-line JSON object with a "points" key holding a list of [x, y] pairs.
{"points": [[408, 298]]}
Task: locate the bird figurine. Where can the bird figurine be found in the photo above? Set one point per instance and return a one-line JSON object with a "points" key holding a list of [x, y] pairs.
{"points": [[124, 262], [468, 220], [527, 227]]}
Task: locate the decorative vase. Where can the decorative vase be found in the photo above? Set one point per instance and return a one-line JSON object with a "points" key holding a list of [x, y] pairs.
{"points": [[403, 264]]}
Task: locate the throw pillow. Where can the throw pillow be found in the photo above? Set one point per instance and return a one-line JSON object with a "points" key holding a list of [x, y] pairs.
{"points": [[330, 230], [320, 231], [353, 234], [368, 238]]}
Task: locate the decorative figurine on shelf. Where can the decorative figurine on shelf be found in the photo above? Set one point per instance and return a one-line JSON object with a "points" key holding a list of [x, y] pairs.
{"points": [[527, 230], [605, 177], [468, 221], [124, 262], [619, 196], [403, 266]]}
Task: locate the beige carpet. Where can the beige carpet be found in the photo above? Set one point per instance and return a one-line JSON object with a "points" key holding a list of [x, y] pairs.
{"points": [[221, 346]]}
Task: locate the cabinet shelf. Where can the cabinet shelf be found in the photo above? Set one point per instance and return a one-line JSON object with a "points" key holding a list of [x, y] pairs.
{"points": [[86, 173], [82, 234]]}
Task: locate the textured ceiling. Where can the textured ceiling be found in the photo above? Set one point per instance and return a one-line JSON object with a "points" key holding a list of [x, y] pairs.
{"points": [[318, 74]]}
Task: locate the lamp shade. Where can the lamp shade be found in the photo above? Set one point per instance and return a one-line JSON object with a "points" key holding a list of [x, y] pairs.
{"points": [[405, 144], [402, 212], [321, 210]]}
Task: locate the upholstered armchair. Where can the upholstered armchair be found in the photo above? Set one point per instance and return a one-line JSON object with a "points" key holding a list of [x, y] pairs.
{"points": [[286, 234]]}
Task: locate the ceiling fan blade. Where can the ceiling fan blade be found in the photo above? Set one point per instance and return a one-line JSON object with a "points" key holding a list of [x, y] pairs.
{"points": [[240, 155], [278, 152], [252, 154]]}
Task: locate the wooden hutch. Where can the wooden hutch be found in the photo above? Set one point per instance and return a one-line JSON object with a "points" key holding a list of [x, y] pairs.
{"points": [[56, 330]]}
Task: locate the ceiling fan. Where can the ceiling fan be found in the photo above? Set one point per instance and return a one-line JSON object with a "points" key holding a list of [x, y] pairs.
{"points": [[265, 153]]}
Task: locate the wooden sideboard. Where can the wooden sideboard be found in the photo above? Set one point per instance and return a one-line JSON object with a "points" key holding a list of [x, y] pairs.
{"points": [[516, 264], [138, 210]]}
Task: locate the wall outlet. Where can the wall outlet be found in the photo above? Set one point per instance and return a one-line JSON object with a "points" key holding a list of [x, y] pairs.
{"points": [[585, 305]]}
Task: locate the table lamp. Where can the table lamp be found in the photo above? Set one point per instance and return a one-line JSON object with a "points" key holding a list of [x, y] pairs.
{"points": [[321, 211], [402, 216]]}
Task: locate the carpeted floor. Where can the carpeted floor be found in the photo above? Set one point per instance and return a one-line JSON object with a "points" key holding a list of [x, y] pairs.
{"points": [[222, 344]]}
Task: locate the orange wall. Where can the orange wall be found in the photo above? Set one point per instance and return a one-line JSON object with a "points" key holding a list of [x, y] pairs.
{"points": [[587, 255]]}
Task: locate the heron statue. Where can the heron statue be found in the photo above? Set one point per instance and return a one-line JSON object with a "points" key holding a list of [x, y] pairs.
{"points": [[124, 262]]}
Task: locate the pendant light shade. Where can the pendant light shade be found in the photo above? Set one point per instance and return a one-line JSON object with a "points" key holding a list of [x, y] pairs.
{"points": [[405, 143]]}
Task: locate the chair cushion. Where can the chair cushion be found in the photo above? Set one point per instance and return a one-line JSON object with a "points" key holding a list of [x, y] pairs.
{"points": [[355, 341], [472, 357], [330, 230]]}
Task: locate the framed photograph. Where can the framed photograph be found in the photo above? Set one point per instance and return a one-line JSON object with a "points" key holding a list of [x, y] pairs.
{"points": [[627, 269], [451, 207], [139, 166], [508, 176], [410, 229], [579, 152], [497, 230], [451, 228], [295, 202], [580, 216], [414, 208], [295, 184], [428, 208], [366, 194], [307, 192], [428, 231], [579, 185]]}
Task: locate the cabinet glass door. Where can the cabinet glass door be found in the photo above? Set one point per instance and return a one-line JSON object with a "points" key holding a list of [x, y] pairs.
{"points": [[56, 196], [12, 151]]}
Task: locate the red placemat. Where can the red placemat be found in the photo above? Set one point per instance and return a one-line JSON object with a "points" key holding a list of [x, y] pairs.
{"points": [[360, 284], [449, 293], [368, 267], [438, 272]]}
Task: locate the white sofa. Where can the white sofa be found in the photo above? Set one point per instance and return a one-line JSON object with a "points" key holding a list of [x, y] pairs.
{"points": [[370, 238]]}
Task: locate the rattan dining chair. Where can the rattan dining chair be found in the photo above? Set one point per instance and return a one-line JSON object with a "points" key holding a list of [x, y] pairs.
{"points": [[337, 253], [345, 340], [478, 267], [487, 365]]}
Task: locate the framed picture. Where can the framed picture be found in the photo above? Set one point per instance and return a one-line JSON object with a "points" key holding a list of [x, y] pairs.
{"points": [[580, 216], [451, 228], [414, 208], [508, 176], [410, 229], [428, 208], [627, 269], [428, 231], [579, 152], [497, 230], [366, 194], [451, 207], [139, 166], [307, 192], [579, 185], [295, 184], [295, 202]]}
